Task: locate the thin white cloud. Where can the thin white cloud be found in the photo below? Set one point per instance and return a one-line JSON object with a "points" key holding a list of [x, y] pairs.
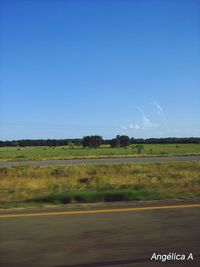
{"points": [[159, 109], [161, 114], [146, 123], [134, 126], [123, 127]]}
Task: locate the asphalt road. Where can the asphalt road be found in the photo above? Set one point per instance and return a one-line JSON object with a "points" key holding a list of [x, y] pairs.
{"points": [[102, 161], [116, 238]]}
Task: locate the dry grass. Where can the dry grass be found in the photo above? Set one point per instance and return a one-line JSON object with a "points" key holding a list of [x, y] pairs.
{"points": [[139, 181]]}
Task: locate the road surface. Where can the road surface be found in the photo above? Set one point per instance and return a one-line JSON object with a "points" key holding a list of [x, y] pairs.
{"points": [[102, 161], [100, 237]]}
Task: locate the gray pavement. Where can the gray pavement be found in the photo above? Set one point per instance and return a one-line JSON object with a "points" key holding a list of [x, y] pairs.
{"points": [[102, 161], [101, 239]]}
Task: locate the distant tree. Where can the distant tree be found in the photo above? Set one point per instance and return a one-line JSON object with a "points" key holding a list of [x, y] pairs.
{"points": [[118, 141], [124, 140], [139, 148], [92, 141], [114, 142], [86, 141], [132, 140], [97, 140], [71, 144]]}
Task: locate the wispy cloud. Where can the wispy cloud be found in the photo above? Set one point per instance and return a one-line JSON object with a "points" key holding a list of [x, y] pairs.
{"points": [[161, 113], [123, 127], [146, 123], [134, 126]]}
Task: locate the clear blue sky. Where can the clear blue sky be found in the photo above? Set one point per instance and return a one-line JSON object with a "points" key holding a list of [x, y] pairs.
{"points": [[73, 68]]}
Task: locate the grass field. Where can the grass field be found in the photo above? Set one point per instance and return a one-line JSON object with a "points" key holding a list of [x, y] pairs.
{"points": [[34, 153], [34, 185]]}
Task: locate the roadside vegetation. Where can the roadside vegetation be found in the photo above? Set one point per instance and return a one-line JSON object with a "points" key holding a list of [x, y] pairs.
{"points": [[34, 185], [104, 151]]}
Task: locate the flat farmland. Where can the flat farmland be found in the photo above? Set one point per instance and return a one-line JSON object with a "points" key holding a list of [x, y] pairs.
{"points": [[67, 152]]}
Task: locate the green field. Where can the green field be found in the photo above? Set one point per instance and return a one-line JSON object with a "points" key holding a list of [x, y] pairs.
{"points": [[34, 185], [66, 152]]}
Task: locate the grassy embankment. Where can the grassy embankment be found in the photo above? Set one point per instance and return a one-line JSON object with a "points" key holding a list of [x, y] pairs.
{"points": [[65, 152], [34, 185]]}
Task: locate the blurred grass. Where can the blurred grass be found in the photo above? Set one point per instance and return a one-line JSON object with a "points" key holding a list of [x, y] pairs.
{"points": [[34, 185], [66, 152]]}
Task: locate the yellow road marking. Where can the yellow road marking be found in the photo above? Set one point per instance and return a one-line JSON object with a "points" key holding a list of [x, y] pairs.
{"points": [[97, 211]]}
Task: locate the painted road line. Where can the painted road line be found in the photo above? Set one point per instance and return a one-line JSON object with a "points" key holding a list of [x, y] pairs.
{"points": [[98, 211]]}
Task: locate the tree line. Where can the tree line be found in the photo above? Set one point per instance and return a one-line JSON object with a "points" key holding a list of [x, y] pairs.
{"points": [[94, 141]]}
